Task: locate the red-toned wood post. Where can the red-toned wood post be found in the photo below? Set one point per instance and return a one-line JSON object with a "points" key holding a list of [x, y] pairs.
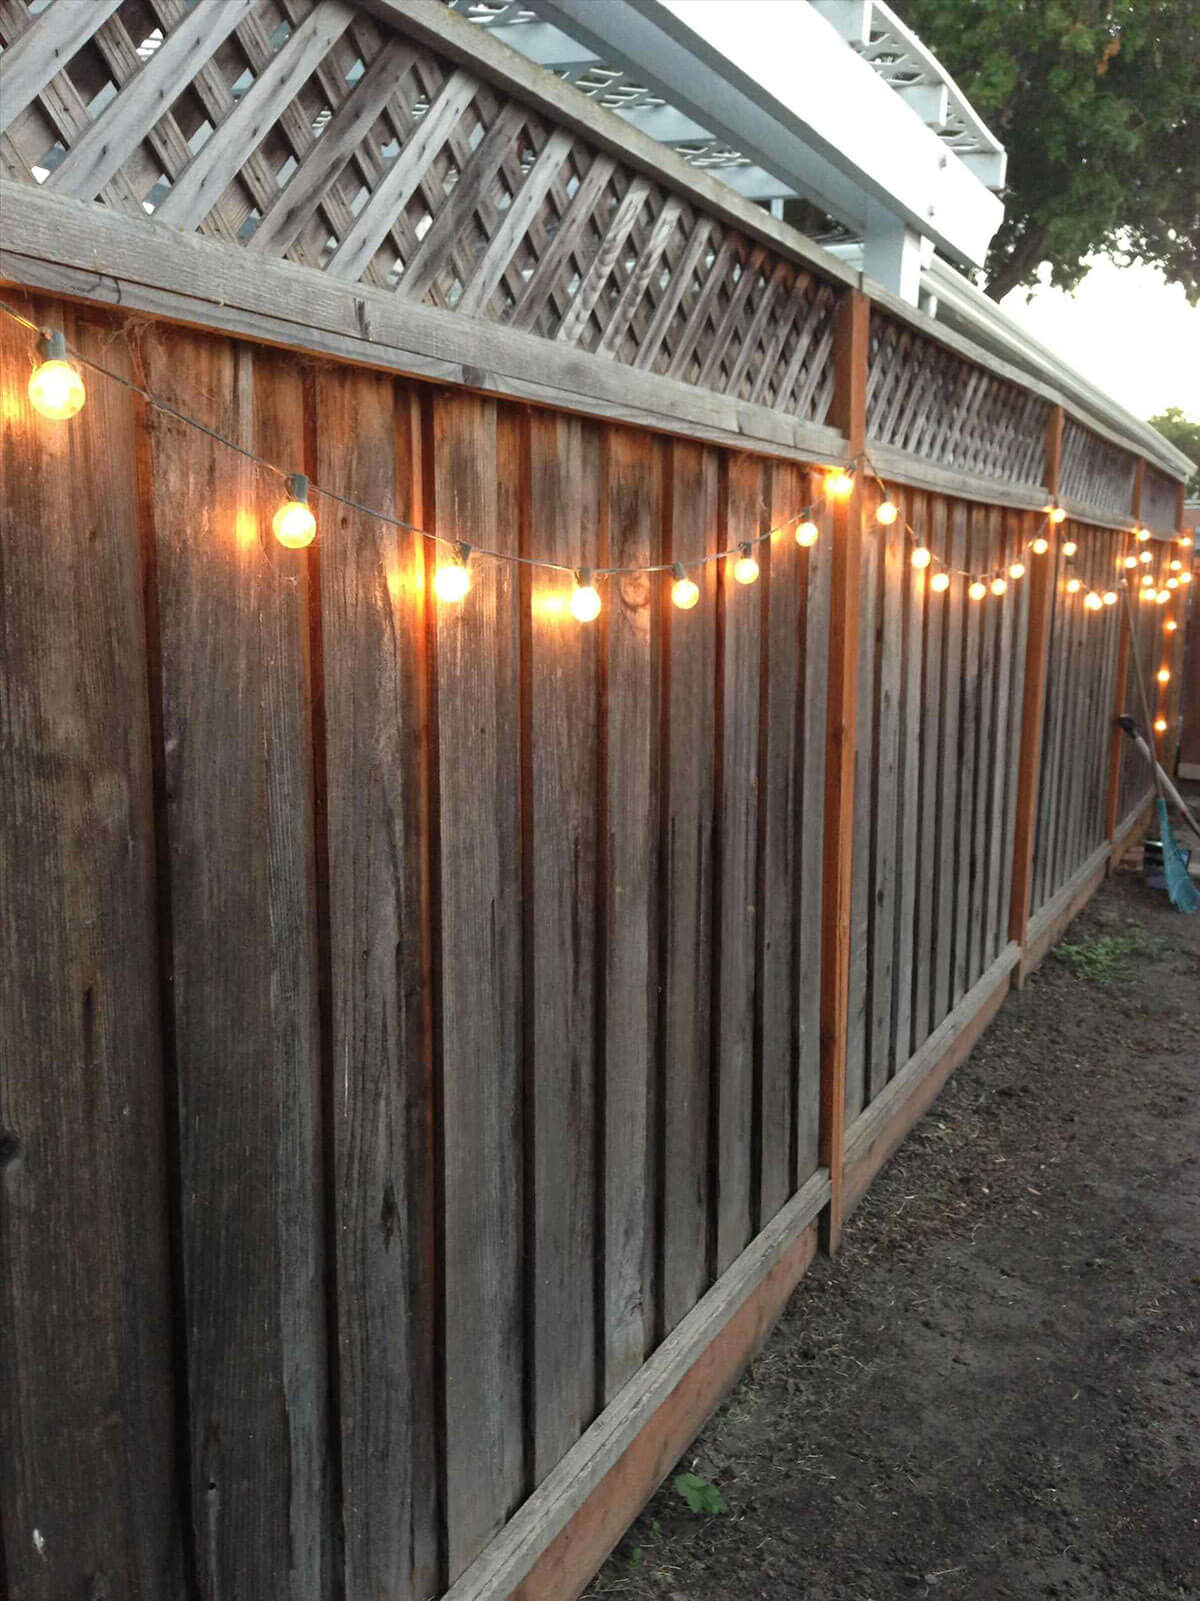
{"points": [[1120, 690], [849, 413], [1042, 570], [1189, 675], [1174, 650]]}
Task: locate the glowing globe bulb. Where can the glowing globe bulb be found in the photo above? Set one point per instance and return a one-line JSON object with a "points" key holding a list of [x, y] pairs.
{"points": [[1185, 578], [977, 590], [1143, 534], [1145, 557], [998, 586], [838, 484], [1185, 539], [1160, 725], [886, 514], [1177, 566], [1040, 546], [745, 568], [1092, 601], [585, 603], [1163, 675], [1073, 586], [1172, 583], [1069, 547], [451, 582], [1017, 570], [940, 582], [684, 591], [1131, 561], [921, 557], [1110, 597], [1147, 581], [1057, 515], [1163, 596], [294, 524], [806, 534], [1170, 625], [56, 390]]}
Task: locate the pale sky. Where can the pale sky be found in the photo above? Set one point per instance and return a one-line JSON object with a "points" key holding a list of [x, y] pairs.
{"points": [[1125, 328]]}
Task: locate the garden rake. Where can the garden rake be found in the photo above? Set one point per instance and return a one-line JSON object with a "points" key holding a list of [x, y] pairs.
{"points": [[1181, 892]]}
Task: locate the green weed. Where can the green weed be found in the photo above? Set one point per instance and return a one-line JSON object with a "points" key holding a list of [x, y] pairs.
{"points": [[1101, 960], [700, 1495]]}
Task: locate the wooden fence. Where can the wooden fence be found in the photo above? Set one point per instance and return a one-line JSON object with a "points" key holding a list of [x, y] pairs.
{"points": [[433, 1037]]}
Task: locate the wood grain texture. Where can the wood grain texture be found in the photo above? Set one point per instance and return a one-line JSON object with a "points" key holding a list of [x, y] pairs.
{"points": [[686, 887], [561, 825], [635, 464], [476, 456], [372, 588], [88, 1491], [240, 834]]}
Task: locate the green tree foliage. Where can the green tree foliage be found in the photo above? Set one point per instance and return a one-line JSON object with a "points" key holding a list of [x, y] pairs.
{"points": [[1098, 104], [1184, 434]]}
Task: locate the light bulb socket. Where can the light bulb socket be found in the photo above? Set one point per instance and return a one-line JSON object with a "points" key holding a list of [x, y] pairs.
{"points": [[678, 571], [744, 548], [583, 577], [52, 346], [297, 487], [463, 552]]}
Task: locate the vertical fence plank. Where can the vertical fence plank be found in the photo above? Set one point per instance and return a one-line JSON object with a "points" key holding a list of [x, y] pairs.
{"points": [[908, 869], [1020, 535], [816, 570], [476, 454], [240, 830], [634, 517], [738, 1124], [860, 843], [686, 886], [929, 520], [87, 1484], [849, 412], [885, 798], [372, 630], [560, 960], [965, 872]]}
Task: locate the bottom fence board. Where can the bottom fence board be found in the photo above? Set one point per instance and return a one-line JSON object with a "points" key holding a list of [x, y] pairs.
{"points": [[646, 1426]]}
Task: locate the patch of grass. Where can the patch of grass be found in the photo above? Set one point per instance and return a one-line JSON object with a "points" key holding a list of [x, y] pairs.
{"points": [[1102, 959], [700, 1496]]}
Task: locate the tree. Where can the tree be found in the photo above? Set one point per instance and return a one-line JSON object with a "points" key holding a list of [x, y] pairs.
{"points": [[1098, 105], [1184, 433]]}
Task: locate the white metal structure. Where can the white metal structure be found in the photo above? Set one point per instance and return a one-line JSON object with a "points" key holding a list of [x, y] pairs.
{"points": [[757, 91]]}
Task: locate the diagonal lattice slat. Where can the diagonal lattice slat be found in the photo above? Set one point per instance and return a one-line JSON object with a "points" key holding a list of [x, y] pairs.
{"points": [[308, 130], [1096, 472]]}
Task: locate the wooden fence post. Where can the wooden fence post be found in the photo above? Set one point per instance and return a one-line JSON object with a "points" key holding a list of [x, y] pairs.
{"points": [[1120, 689], [849, 413], [1032, 710]]}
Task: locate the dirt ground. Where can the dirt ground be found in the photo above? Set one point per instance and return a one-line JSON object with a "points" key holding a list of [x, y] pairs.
{"points": [[994, 1391]]}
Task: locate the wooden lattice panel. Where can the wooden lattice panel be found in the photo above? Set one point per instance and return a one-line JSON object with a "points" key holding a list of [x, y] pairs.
{"points": [[1160, 501], [1095, 472], [304, 129], [924, 398]]}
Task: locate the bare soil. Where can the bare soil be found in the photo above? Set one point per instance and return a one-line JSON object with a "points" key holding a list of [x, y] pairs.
{"points": [[994, 1390]]}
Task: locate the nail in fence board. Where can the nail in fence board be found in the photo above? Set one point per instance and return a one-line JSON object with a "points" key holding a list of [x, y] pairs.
{"points": [[243, 956], [476, 452], [85, 1308], [372, 578]]}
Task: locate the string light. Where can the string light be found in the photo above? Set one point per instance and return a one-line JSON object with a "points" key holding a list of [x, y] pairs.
{"points": [[1172, 583], [1131, 562], [1040, 545], [1185, 540], [1177, 566], [1145, 557], [921, 557], [977, 590], [1164, 675], [998, 586], [1142, 535], [1073, 586], [839, 484], [887, 513], [1147, 581], [452, 580], [1017, 570], [685, 592], [1093, 601], [1069, 547], [1110, 597], [55, 389], [1170, 626], [1185, 578], [806, 533], [585, 599], [940, 582], [1057, 515], [1163, 596], [745, 568], [294, 524], [1160, 725]]}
